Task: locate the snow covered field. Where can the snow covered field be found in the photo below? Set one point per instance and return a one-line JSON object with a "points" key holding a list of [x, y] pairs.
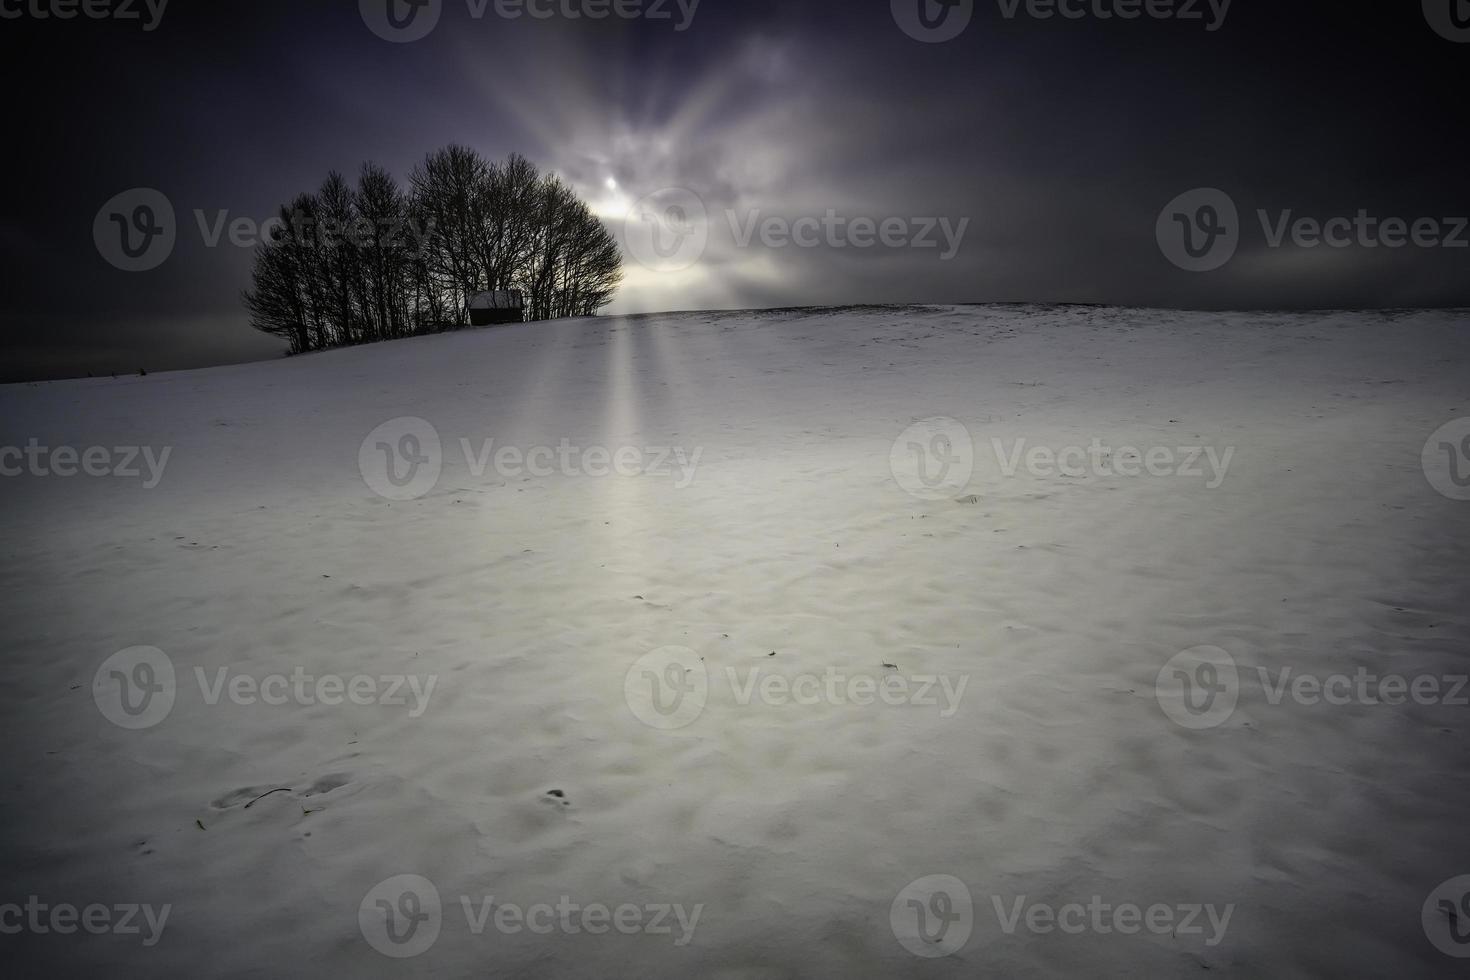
{"points": [[728, 639]]}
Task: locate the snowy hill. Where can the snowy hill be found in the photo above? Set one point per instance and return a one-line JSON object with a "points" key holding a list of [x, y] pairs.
{"points": [[746, 623]]}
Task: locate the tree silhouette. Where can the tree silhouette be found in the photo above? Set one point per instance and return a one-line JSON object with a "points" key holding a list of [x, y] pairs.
{"points": [[348, 265]]}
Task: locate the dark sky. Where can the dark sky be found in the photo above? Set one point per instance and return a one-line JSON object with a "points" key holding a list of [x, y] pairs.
{"points": [[1060, 140]]}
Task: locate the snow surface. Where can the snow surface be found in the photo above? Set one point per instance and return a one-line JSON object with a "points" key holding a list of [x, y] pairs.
{"points": [[1059, 599]]}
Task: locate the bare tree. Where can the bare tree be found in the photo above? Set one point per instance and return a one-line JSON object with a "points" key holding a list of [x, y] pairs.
{"points": [[451, 187], [383, 243], [373, 262]]}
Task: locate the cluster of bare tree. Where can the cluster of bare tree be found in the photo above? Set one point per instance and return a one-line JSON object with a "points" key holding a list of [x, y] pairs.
{"points": [[351, 265]]}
